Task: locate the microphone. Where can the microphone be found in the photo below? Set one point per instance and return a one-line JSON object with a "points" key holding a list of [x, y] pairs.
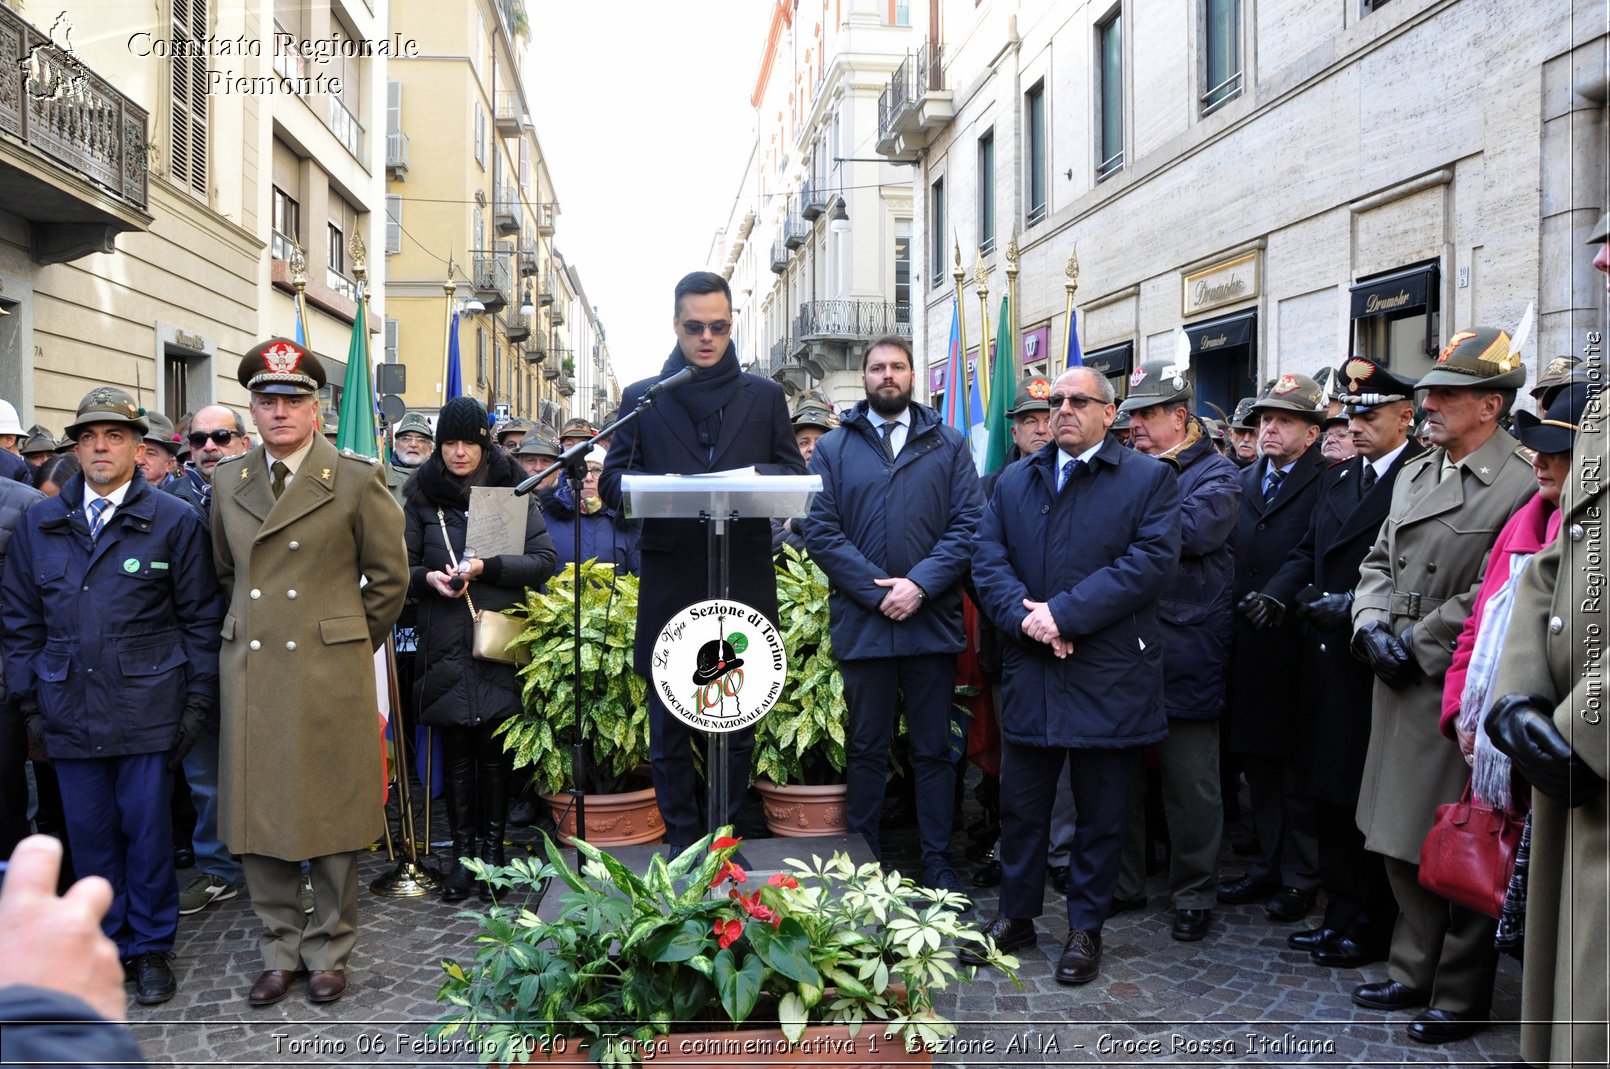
{"points": [[671, 382]]}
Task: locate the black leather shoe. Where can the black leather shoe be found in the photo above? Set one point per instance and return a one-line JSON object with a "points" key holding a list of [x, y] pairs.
{"points": [[1081, 958], [1008, 934], [1390, 995], [153, 979], [989, 875], [1190, 925], [131, 968], [1125, 905], [1246, 889], [1445, 1026], [1344, 953], [1059, 878], [1290, 905], [1312, 938]]}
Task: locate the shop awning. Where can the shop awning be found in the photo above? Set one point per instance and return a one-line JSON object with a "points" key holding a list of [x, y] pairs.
{"points": [[1226, 332], [1113, 360], [1399, 292]]}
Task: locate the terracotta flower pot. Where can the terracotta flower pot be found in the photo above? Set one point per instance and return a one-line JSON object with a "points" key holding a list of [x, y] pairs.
{"points": [[799, 811], [626, 819], [821, 1047]]}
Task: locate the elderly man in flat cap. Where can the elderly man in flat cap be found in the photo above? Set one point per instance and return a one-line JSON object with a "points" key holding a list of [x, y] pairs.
{"points": [[109, 612], [309, 546]]}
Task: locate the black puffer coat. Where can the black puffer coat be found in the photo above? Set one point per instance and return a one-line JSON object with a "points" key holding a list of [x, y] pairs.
{"points": [[454, 689]]}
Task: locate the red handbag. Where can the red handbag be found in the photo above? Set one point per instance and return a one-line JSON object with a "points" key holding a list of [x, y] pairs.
{"points": [[1469, 854]]}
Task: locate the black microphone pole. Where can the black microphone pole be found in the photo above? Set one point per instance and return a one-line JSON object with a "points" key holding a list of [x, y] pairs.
{"points": [[571, 460]]}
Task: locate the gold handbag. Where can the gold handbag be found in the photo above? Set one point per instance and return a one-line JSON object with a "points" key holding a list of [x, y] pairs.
{"points": [[492, 634]]}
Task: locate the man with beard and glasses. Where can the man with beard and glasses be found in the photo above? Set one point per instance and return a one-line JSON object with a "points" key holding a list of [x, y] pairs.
{"points": [[720, 420], [892, 529], [411, 444]]}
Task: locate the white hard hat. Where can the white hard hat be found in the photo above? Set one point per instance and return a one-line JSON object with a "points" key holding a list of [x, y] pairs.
{"points": [[9, 424]]}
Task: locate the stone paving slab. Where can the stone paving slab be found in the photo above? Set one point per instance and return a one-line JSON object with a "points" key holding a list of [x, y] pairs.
{"points": [[1238, 997]]}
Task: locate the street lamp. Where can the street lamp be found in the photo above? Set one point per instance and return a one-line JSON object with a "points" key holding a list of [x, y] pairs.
{"points": [[838, 221], [527, 309]]}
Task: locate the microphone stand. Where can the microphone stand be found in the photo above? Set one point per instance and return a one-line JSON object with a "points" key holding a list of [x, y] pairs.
{"points": [[574, 462]]}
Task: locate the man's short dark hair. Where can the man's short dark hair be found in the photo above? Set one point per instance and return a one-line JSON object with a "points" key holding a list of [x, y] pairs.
{"points": [[702, 282], [893, 340]]}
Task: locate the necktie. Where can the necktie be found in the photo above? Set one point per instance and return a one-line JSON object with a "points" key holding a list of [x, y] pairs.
{"points": [[1068, 468], [1272, 487], [281, 473], [887, 430], [97, 521], [1367, 481]]}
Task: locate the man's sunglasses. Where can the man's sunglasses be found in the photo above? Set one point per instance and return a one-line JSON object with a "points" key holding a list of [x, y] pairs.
{"points": [[1077, 400], [198, 439], [695, 329]]}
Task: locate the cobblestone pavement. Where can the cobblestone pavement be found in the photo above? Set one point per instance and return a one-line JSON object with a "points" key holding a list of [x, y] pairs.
{"points": [[1240, 996]]}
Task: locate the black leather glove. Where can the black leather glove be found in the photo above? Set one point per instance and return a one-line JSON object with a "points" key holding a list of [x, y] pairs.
{"points": [[34, 722], [1261, 611], [1388, 657], [1522, 727], [1328, 612], [194, 719]]}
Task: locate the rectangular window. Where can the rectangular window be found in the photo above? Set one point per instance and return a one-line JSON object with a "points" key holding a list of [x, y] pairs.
{"points": [[393, 223], [936, 232], [900, 12], [480, 135], [287, 224], [1034, 155], [480, 357], [902, 271], [986, 192], [1110, 96], [1221, 41], [187, 155]]}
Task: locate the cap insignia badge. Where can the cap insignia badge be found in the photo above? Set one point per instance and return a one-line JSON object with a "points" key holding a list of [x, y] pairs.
{"points": [[281, 359], [1453, 343], [1137, 378], [1039, 389], [1286, 385], [1357, 371]]}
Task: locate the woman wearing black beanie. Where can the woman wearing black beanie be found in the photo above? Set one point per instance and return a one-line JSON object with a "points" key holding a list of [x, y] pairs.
{"points": [[465, 697]]}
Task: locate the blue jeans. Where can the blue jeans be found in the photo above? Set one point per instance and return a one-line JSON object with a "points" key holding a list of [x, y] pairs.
{"points": [[201, 772]]}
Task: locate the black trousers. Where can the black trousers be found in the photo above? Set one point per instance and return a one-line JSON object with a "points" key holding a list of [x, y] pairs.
{"points": [[1358, 897], [677, 786]]}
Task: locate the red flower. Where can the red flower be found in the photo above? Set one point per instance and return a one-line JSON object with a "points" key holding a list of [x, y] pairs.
{"points": [[752, 906], [782, 879], [723, 842], [727, 932], [729, 871]]}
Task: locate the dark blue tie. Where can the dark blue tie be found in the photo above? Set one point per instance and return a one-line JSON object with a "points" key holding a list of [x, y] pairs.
{"points": [[1067, 472], [97, 522], [1272, 487]]}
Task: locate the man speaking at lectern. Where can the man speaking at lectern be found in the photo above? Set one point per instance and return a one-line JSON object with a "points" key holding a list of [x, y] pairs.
{"points": [[719, 420]]}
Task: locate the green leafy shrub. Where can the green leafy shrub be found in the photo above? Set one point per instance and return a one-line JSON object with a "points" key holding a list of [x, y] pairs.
{"points": [[801, 741]]}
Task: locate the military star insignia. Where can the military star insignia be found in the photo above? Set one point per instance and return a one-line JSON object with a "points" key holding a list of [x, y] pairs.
{"points": [[1487, 471], [245, 473], [326, 474]]}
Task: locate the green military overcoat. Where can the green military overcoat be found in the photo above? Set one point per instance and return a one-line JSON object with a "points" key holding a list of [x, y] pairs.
{"points": [[1424, 569], [299, 739], [1555, 647]]}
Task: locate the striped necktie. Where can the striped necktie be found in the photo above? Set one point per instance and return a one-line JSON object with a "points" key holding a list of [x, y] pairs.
{"points": [[97, 520], [1272, 487]]}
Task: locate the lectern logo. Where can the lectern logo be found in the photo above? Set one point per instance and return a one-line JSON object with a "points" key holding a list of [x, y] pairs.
{"points": [[719, 665], [51, 69]]}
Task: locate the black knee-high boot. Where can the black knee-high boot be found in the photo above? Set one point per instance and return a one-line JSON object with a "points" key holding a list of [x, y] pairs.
{"points": [[458, 774], [492, 775]]}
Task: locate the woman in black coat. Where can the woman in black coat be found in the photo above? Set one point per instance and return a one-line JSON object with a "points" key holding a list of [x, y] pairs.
{"points": [[464, 697]]}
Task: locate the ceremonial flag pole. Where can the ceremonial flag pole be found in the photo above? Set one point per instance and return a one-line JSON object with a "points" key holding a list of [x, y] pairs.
{"points": [[1074, 356]]}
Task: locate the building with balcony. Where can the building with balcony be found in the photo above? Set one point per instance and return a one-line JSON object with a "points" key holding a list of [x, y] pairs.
{"points": [[148, 201], [816, 247], [1332, 190], [475, 186]]}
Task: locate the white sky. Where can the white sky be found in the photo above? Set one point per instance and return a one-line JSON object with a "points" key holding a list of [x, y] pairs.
{"points": [[642, 108]]}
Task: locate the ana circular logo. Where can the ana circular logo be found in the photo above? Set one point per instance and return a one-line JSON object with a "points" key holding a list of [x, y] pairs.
{"points": [[719, 665]]}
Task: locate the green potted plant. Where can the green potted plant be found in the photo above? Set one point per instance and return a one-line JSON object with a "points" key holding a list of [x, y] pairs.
{"points": [[665, 966], [614, 697], [798, 760]]}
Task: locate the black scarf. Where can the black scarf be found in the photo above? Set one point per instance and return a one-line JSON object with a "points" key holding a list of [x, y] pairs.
{"points": [[433, 485], [707, 395]]}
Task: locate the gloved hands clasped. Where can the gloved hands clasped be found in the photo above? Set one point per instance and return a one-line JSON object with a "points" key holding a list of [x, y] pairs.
{"points": [[1522, 727], [1388, 655]]}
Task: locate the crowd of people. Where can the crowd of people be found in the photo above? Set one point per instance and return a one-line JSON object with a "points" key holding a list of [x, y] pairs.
{"points": [[1359, 596]]}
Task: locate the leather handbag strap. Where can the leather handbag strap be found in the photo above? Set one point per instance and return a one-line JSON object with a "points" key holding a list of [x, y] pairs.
{"points": [[452, 557]]}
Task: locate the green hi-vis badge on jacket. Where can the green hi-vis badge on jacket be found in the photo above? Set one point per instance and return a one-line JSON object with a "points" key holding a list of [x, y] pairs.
{"points": [[159, 566], [131, 565]]}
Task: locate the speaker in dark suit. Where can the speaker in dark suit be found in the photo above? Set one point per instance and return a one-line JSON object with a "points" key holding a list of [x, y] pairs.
{"points": [[721, 419]]}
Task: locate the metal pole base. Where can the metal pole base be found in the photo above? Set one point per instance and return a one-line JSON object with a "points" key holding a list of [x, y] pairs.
{"points": [[408, 880]]}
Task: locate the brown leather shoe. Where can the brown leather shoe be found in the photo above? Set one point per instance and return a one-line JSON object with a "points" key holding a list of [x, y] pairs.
{"points": [[272, 986], [326, 985]]}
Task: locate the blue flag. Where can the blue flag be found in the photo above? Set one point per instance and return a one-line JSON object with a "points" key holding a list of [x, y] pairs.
{"points": [[1076, 358], [454, 386]]}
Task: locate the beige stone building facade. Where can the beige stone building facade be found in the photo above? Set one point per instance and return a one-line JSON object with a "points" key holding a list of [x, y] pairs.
{"points": [[1288, 182], [141, 150]]}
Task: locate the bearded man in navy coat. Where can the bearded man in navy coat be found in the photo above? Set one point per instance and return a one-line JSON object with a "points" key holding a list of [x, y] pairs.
{"points": [[1077, 544], [722, 419]]}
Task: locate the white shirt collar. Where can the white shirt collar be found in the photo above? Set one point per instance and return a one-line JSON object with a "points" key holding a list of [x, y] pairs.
{"points": [[1386, 462]]}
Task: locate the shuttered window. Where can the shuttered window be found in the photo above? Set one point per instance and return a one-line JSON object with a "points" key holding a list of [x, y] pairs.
{"points": [[393, 223], [187, 153]]}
